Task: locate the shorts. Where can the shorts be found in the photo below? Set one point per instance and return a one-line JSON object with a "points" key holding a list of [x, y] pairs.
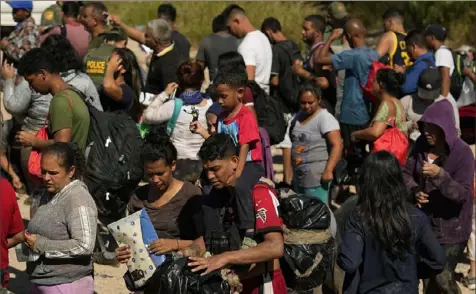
{"points": [[5, 129], [286, 143]]}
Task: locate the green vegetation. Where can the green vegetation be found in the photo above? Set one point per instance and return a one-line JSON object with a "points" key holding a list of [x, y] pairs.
{"points": [[195, 17]]}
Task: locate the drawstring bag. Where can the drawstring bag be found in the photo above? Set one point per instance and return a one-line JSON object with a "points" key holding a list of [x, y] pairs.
{"points": [[34, 162], [393, 140]]}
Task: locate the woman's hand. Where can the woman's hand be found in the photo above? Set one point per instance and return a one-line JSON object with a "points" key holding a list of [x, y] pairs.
{"points": [[430, 170], [171, 88], [123, 254], [422, 198], [30, 240], [26, 138], [115, 63], [162, 246], [326, 177], [8, 71]]}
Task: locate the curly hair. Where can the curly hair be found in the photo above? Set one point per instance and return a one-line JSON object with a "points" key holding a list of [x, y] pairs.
{"points": [[64, 54], [69, 155], [158, 147], [218, 146]]}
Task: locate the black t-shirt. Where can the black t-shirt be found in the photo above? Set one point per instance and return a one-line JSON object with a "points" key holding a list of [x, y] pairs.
{"points": [[109, 104], [284, 55], [181, 44], [162, 71]]}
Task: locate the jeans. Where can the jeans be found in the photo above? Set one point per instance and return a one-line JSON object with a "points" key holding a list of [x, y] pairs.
{"points": [[445, 282]]}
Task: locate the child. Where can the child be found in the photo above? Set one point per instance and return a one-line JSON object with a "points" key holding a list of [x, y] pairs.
{"points": [[235, 119]]}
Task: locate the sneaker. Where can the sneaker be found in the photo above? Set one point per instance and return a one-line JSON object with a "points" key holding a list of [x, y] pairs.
{"points": [[470, 282]]}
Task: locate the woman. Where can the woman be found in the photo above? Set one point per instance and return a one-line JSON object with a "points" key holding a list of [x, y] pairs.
{"points": [[194, 107], [171, 204], [63, 229], [440, 174], [312, 130], [385, 237], [122, 83], [390, 111]]}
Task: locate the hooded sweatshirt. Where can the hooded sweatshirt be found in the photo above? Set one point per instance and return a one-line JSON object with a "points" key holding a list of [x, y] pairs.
{"points": [[66, 234], [450, 192]]}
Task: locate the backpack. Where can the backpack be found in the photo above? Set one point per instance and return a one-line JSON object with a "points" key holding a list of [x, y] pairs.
{"points": [[368, 88], [113, 164], [288, 87], [269, 113], [457, 78]]}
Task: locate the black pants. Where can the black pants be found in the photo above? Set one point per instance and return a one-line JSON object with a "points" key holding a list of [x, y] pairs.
{"points": [[354, 152], [445, 282]]}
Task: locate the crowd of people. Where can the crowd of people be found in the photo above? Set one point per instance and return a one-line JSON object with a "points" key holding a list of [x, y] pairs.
{"points": [[395, 122]]}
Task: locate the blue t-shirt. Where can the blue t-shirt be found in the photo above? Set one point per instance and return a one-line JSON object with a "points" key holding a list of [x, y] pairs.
{"points": [[356, 63]]}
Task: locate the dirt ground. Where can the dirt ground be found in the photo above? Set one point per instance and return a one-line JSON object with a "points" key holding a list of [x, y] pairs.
{"points": [[108, 279]]}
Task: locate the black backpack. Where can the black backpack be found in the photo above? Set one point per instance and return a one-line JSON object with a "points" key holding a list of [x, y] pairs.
{"points": [[457, 78], [113, 167], [288, 87], [269, 112]]}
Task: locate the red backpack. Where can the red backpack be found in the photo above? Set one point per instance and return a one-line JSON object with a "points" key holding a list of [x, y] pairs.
{"points": [[368, 88]]}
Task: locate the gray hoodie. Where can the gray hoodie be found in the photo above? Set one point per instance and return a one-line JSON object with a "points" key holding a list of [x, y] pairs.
{"points": [[66, 234], [31, 108]]}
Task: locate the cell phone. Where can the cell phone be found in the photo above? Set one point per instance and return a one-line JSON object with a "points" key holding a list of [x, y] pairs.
{"points": [[173, 94]]}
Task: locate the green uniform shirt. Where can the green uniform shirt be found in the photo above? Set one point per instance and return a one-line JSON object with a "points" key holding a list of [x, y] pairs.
{"points": [[68, 111], [52, 16], [328, 33], [95, 62]]}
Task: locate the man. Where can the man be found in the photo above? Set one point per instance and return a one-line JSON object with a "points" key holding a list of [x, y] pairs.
{"points": [[166, 58], [25, 35], [255, 47], [68, 115], [284, 82], [214, 45], [354, 114], [435, 35], [264, 244], [52, 16], [422, 59], [429, 87], [70, 28], [391, 46], [94, 18], [95, 61], [312, 34], [168, 13], [336, 18], [11, 228]]}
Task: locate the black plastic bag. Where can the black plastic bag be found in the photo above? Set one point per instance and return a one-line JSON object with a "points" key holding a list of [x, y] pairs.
{"points": [[301, 258], [305, 213], [175, 277]]}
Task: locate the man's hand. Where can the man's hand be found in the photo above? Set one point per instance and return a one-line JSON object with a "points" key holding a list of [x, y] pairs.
{"points": [[115, 20], [399, 68], [422, 198], [352, 137], [3, 44], [8, 71], [26, 138], [430, 170], [30, 240], [336, 35], [123, 254], [211, 264], [162, 246]]}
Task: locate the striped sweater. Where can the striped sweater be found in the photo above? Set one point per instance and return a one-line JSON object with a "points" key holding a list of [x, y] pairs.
{"points": [[66, 233]]}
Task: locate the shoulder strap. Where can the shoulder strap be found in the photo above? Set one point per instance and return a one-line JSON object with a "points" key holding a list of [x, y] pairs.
{"points": [[178, 103], [63, 30], [428, 62]]}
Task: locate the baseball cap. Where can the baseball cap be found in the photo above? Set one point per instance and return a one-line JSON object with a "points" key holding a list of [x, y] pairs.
{"points": [[429, 84], [436, 30], [26, 5], [337, 10]]}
